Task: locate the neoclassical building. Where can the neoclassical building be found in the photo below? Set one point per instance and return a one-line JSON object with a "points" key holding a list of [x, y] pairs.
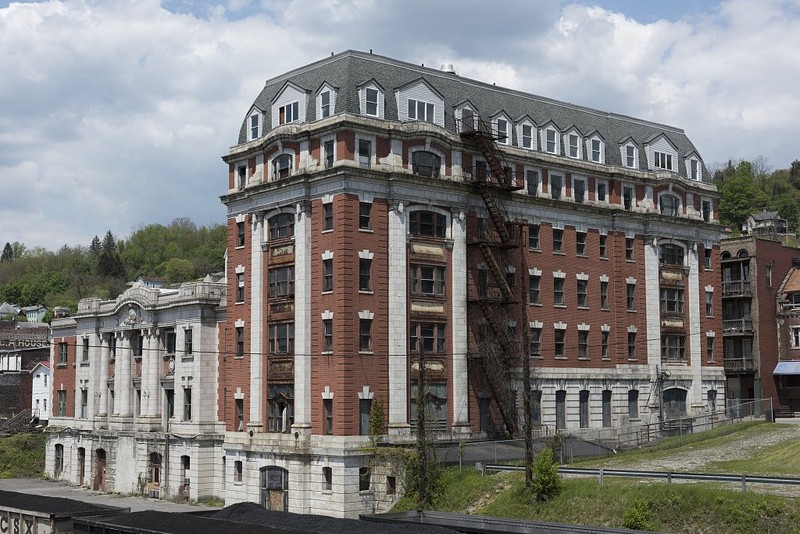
{"points": [[391, 225]]}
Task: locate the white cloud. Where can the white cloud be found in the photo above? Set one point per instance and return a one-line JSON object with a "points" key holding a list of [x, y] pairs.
{"points": [[115, 114]]}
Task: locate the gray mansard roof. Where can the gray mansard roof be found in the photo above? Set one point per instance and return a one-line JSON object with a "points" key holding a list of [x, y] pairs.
{"points": [[350, 70]]}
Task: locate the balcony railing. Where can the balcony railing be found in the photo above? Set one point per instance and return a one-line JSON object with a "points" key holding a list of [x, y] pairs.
{"points": [[736, 287], [737, 325], [738, 365]]}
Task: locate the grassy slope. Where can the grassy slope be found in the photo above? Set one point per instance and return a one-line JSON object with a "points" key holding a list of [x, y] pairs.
{"points": [[22, 455], [658, 506]]}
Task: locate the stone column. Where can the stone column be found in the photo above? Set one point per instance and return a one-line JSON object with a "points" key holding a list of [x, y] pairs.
{"points": [[458, 328], [398, 324], [257, 323], [123, 375], [302, 320], [151, 365], [693, 344], [98, 359]]}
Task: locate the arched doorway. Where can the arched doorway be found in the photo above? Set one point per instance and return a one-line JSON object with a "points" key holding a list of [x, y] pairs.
{"points": [[275, 488], [674, 400], [99, 480]]}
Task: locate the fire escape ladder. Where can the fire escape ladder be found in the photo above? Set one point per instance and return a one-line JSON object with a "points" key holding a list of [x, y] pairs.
{"points": [[495, 212], [497, 273]]}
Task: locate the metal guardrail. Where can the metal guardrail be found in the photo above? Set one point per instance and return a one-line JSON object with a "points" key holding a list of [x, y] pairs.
{"points": [[669, 476]]}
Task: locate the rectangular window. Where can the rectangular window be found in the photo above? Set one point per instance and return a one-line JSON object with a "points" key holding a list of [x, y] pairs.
{"points": [[558, 291], [673, 348], [330, 153], [606, 408], [710, 355], [579, 190], [596, 154], [583, 300], [630, 297], [693, 169], [61, 403], [187, 404], [427, 280], [633, 403], [558, 240], [365, 215], [365, 335], [603, 295], [709, 304], [137, 345], [254, 123], [364, 409], [559, 343], [795, 337], [556, 184], [573, 145], [580, 243], [561, 409], [239, 341], [328, 212], [502, 131], [630, 156], [242, 174], [327, 405], [85, 351], [662, 160], [550, 141], [533, 237], [583, 344], [583, 408], [527, 136], [536, 408], [535, 341], [534, 283], [768, 276], [631, 345], [364, 274], [391, 485], [629, 248], [371, 102], [281, 338], [364, 153], [84, 404], [671, 300], [602, 192], [327, 275], [364, 477], [604, 345], [327, 335], [603, 245], [627, 197], [237, 471], [240, 234], [419, 110], [170, 341], [187, 341], [707, 258], [430, 335], [706, 210], [289, 113], [281, 282], [325, 104], [239, 287], [532, 182], [280, 407]]}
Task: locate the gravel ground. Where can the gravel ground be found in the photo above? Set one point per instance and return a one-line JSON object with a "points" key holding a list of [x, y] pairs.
{"points": [[698, 459]]}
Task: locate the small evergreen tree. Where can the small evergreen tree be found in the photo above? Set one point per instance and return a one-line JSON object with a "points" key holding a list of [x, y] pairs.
{"points": [[546, 480], [8, 253]]}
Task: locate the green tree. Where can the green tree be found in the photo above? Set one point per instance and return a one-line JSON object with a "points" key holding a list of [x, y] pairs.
{"points": [[740, 195], [178, 270], [547, 482], [8, 253]]}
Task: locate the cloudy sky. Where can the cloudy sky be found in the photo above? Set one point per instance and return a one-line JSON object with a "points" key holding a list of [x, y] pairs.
{"points": [[114, 113]]}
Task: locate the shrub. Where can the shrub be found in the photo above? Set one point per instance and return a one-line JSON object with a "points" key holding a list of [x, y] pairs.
{"points": [[637, 516], [546, 480]]}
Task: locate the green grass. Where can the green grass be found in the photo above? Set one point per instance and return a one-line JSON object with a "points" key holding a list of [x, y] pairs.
{"points": [[22, 455], [460, 491]]}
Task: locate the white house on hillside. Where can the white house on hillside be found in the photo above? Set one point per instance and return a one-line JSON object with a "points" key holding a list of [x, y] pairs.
{"points": [[40, 397]]}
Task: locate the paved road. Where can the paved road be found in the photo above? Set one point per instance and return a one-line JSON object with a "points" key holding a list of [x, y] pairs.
{"points": [[62, 489]]}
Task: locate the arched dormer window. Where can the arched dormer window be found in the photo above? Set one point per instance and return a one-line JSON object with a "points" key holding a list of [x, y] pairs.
{"points": [[629, 154], [669, 204], [423, 223], [254, 125], [694, 169], [281, 225], [466, 117], [426, 163], [282, 166], [670, 254], [326, 101]]}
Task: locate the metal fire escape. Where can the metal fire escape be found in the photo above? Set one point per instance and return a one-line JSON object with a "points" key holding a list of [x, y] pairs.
{"points": [[499, 295]]}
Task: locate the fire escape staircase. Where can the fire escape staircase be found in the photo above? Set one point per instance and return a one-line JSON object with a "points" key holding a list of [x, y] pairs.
{"points": [[497, 255]]}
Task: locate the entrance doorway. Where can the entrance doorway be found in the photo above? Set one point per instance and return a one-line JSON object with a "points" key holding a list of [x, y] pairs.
{"points": [[275, 488]]}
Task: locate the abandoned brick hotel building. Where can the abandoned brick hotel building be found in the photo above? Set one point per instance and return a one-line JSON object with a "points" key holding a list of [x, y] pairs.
{"points": [[381, 214]]}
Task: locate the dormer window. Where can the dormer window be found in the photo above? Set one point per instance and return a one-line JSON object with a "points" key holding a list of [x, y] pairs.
{"points": [[574, 145], [525, 136], [596, 150], [419, 110], [467, 123], [324, 104], [693, 170], [629, 156], [371, 101], [255, 126], [662, 160], [501, 130], [669, 205], [550, 141], [289, 113]]}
